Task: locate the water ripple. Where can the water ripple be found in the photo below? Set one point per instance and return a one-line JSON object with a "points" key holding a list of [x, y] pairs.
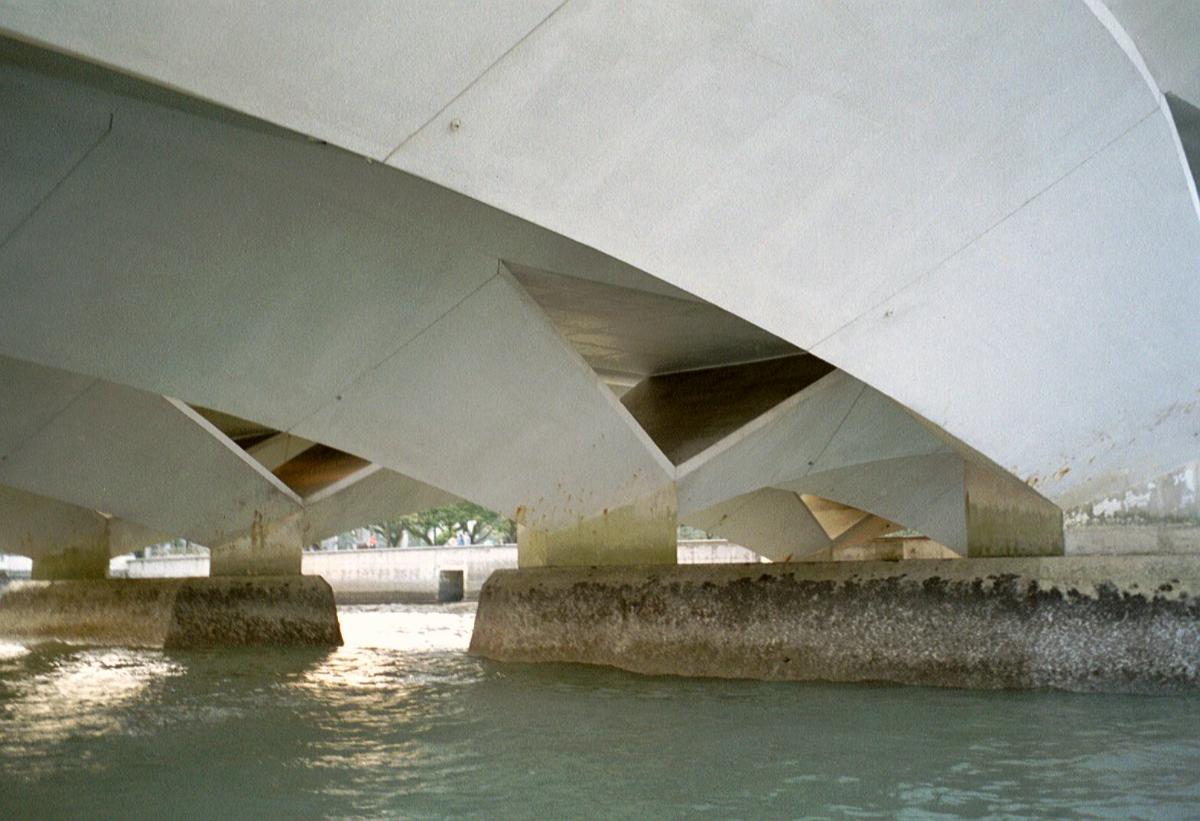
{"points": [[400, 722]]}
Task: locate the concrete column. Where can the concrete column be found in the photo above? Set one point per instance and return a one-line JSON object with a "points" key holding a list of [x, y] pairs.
{"points": [[73, 563], [65, 541], [1087, 623], [94, 540], [269, 549], [642, 532]]}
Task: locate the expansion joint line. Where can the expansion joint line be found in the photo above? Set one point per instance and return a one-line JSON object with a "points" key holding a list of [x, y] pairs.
{"points": [[54, 188], [937, 266], [392, 354], [475, 81], [817, 459], [50, 422]]}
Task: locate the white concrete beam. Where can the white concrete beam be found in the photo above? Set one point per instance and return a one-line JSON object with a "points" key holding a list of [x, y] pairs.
{"points": [[492, 399], [437, 50], [139, 457], [1017, 169], [34, 526], [499, 408], [925, 493]]}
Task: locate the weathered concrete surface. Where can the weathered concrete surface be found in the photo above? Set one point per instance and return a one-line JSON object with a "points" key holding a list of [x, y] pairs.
{"points": [[1128, 624], [269, 549], [643, 532], [174, 613]]}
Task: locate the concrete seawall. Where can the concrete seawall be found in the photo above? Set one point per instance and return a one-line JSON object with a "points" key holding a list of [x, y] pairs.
{"points": [[1128, 624], [411, 574]]}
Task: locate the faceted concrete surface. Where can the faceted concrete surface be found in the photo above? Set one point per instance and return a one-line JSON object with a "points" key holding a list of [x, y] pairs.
{"points": [[1129, 624], [944, 201], [173, 613]]}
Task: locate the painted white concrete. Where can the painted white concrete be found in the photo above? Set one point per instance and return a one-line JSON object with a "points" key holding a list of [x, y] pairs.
{"points": [[1165, 34], [979, 210], [402, 60], [841, 440], [71, 446], [250, 214], [167, 567], [550, 436], [15, 566], [32, 525], [130, 454]]}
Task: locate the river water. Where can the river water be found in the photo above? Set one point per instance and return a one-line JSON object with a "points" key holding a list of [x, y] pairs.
{"points": [[400, 722]]}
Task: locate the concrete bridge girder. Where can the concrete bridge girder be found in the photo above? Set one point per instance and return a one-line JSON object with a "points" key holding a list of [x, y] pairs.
{"points": [[210, 216], [370, 495], [73, 445], [216, 225], [545, 435], [954, 202], [950, 138]]}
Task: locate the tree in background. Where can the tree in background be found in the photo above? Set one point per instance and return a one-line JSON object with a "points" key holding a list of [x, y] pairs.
{"points": [[440, 525]]}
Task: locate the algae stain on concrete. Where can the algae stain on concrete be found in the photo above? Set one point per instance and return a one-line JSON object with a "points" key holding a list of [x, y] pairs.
{"points": [[643, 532]]}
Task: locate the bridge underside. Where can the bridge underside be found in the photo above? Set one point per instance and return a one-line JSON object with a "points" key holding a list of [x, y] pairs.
{"points": [[715, 293], [436, 339]]}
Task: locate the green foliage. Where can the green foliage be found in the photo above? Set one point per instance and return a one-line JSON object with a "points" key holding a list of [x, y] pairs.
{"points": [[440, 525], [685, 532]]}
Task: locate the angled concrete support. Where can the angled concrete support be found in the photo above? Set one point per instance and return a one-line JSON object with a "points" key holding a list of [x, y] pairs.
{"points": [[275, 547], [65, 541], [278, 449], [843, 441], [553, 441], [134, 455], [555, 448], [367, 496], [271, 548], [772, 522]]}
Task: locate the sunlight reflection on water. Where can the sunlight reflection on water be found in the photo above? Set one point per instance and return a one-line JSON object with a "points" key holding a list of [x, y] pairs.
{"points": [[400, 721]]}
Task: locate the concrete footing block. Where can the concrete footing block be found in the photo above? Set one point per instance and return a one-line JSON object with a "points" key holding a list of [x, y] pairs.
{"points": [[1127, 624], [174, 613]]}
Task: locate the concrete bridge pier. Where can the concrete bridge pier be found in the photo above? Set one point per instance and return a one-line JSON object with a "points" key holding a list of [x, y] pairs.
{"points": [[87, 559], [65, 541], [268, 548], [1000, 607], [1127, 624]]}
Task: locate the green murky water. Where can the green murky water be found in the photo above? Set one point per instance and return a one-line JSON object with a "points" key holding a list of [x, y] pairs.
{"points": [[401, 723]]}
